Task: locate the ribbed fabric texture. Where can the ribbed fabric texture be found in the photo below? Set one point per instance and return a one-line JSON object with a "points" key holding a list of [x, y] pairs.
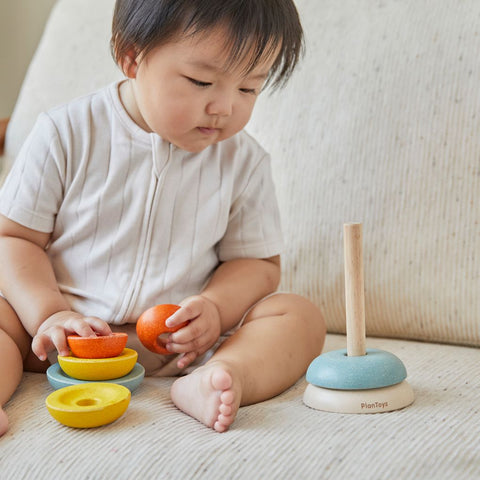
{"points": [[134, 220], [435, 438], [380, 126]]}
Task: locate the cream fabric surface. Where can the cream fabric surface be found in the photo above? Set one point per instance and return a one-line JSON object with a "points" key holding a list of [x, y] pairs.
{"points": [[434, 439], [379, 125]]}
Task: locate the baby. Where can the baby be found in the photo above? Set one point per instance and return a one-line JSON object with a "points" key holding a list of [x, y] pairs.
{"points": [[149, 191]]}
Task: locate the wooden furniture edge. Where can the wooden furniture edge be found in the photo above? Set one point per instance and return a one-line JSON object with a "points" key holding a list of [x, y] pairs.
{"points": [[3, 131]]}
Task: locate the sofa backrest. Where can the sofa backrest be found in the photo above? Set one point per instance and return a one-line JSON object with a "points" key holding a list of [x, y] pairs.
{"points": [[380, 125]]}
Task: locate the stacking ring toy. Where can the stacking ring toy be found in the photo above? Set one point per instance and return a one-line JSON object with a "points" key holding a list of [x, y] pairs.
{"points": [[356, 380], [88, 405], [59, 379], [99, 368], [101, 346], [151, 325], [375, 369]]}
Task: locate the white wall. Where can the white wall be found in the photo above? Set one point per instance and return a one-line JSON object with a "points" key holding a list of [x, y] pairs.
{"points": [[21, 26]]}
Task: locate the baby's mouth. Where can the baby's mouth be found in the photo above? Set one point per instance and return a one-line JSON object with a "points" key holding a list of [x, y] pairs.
{"points": [[208, 130]]}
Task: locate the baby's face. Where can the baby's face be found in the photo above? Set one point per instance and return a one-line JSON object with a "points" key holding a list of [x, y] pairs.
{"points": [[182, 92]]}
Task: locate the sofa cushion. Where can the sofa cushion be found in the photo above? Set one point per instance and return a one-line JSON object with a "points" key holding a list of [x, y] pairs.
{"points": [[435, 438], [379, 125]]}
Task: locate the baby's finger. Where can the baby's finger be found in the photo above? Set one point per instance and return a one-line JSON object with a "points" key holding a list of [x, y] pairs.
{"points": [[59, 340], [188, 333], [197, 344], [99, 326], [186, 313], [41, 345], [185, 360], [78, 326]]}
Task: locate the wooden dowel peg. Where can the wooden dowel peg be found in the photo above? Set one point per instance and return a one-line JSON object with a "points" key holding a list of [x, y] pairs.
{"points": [[354, 289]]}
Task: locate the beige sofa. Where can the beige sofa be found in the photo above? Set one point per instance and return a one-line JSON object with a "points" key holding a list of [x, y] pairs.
{"points": [[381, 124]]}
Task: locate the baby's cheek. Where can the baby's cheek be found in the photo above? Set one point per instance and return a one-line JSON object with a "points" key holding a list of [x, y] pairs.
{"points": [[238, 123]]}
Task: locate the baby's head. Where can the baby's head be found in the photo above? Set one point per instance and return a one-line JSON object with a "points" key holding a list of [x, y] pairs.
{"points": [[255, 30], [196, 67]]}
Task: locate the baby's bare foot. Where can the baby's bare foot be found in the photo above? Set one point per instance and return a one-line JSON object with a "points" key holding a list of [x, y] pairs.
{"points": [[3, 422], [209, 394]]}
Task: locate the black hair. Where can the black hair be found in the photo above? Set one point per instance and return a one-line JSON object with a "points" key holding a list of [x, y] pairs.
{"points": [[256, 27]]}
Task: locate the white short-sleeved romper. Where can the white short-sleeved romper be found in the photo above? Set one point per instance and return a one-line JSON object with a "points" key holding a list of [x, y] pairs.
{"points": [[136, 221]]}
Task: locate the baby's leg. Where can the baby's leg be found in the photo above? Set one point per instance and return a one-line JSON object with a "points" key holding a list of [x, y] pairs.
{"points": [[14, 347], [268, 354]]}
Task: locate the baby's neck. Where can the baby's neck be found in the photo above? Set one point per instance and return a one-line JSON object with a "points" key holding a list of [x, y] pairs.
{"points": [[129, 102]]}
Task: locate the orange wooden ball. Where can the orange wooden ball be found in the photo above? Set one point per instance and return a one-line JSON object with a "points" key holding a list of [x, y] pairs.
{"points": [[151, 324]]}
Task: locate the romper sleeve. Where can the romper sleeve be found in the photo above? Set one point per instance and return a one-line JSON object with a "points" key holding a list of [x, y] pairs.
{"points": [[254, 228], [33, 190]]}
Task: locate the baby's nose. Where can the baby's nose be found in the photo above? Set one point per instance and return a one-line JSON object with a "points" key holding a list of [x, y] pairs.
{"points": [[221, 105]]}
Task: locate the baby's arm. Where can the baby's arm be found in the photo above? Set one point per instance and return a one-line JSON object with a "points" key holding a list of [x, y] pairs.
{"points": [[234, 287], [28, 283]]}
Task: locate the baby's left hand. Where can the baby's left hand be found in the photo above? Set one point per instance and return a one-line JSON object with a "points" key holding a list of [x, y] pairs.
{"points": [[199, 335]]}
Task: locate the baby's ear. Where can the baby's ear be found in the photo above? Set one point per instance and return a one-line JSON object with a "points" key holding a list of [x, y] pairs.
{"points": [[129, 63]]}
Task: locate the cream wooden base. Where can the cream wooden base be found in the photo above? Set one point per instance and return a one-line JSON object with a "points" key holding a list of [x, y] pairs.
{"points": [[374, 400]]}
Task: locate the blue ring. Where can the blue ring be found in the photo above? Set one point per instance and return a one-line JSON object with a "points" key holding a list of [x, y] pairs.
{"points": [[59, 379], [338, 371]]}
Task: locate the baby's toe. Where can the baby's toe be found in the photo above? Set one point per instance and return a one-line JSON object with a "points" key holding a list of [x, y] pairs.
{"points": [[226, 409], [220, 427], [221, 380], [223, 422], [227, 397]]}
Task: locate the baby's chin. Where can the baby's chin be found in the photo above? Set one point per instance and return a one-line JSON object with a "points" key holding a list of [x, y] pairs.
{"points": [[195, 147]]}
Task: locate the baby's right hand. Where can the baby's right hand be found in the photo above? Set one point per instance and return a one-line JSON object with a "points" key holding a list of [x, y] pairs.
{"points": [[53, 332]]}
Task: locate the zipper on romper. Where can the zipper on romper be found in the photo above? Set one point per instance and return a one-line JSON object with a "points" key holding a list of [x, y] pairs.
{"points": [[145, 244]]}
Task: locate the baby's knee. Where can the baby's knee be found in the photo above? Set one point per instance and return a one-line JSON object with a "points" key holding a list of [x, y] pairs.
{"points": [[305, 313], [12, 327]]}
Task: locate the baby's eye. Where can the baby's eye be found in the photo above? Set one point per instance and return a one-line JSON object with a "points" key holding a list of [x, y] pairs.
{"points": [[251, 91], [198, 83]]}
